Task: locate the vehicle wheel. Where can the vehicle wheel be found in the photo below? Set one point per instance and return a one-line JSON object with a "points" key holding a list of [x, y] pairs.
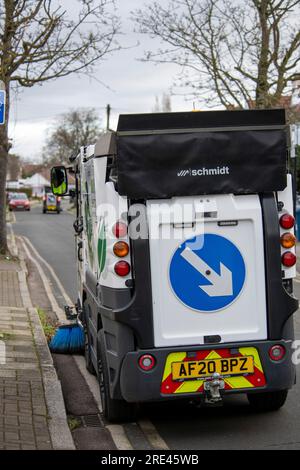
{"points": [[113, 410], [87, 345], [44, 211], [58, 212], [267, 401]]}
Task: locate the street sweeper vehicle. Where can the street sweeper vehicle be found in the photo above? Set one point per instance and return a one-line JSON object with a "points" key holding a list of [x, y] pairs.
{"points": [[186, 258]]}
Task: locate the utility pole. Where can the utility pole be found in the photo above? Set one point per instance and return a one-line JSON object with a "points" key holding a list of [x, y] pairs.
{"points": [[108, 110]]}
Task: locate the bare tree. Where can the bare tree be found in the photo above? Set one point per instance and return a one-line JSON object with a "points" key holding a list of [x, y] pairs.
{"points": [[39, 41], [73, 130], [156, 107], [166, 103], [165, 106], [232, 52]]}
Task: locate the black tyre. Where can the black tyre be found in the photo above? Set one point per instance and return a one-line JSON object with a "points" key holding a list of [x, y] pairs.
{"points": [[44, 211], [113, 410], [267, 401], [87, 346]]}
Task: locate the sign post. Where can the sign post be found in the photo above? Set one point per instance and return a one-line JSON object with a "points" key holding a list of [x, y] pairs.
{"points": [[2, 104]]}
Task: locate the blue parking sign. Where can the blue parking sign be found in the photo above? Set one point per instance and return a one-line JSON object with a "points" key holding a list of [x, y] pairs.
{"points": [[2, 107], [207, 273]]}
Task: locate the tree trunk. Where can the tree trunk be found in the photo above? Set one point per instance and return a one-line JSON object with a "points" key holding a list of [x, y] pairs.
{"points": [[262, 90], [4, 149]]}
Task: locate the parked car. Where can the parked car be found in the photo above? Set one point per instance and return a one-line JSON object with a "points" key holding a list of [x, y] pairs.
{"points": [[18, 201]]}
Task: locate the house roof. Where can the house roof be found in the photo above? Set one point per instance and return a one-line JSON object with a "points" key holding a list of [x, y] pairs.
{"points": [[37, 180]]}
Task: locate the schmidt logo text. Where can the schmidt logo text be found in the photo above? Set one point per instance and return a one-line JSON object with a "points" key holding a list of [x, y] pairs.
{"points": [[223, 170]]}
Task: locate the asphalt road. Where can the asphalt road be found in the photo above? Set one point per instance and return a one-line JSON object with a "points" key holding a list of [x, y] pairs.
{"points": [[53, 237], [234, 426]]}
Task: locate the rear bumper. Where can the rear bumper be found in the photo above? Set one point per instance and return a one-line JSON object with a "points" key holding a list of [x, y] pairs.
{"points": [[140, 386], [23, 208]]}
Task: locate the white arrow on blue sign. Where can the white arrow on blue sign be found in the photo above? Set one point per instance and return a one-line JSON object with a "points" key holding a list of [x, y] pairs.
{"points": [[207, 273], [2, 107]]}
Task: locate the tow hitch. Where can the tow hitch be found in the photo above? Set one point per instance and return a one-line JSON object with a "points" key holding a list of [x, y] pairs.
{"points": [[212, 387]]}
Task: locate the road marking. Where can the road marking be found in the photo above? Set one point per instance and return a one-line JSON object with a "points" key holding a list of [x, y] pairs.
{"points": [[156, 441], [53, 274], [119, 437], [54, 305]]}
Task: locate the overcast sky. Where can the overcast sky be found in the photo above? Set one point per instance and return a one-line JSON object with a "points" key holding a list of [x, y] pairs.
{"points": [[133, 87]]}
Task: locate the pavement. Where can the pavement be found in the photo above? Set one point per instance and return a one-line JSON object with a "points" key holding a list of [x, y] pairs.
{"points": [[32, 412], [177, 426]]}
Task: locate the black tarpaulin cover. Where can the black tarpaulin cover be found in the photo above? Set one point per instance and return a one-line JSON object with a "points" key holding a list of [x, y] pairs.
{"points": [[187, 154]]}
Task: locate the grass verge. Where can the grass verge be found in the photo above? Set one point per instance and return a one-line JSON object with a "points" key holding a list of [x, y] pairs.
{"points": [[48, 325], [74, 423]]}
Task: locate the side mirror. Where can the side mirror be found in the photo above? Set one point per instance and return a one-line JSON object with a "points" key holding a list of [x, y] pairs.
{"points": [[59, 181]]}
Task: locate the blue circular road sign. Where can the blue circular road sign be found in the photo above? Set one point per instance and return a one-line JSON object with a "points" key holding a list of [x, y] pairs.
{"points": [[207, 273]]}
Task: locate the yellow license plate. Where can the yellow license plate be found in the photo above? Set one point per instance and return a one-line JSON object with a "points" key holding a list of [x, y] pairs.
{"points": [[51, 208], [207, 367]]}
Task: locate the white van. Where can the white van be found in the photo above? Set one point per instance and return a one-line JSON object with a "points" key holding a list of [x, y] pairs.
{"points": [[186, 259]]}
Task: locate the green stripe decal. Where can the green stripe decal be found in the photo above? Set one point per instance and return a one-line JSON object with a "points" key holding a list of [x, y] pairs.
{"points": [[101, 248]]}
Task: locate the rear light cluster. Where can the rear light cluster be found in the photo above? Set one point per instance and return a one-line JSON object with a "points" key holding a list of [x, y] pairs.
{"points": [[121, 249], [288, 240]]}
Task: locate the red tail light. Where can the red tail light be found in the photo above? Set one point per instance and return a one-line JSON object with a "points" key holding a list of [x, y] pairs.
{"points": [[287, 221], [288, 259], [120, 230], [122, 268]]}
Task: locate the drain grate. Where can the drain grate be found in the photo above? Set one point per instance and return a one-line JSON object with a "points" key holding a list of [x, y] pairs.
{"points": [[91, 421]]}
